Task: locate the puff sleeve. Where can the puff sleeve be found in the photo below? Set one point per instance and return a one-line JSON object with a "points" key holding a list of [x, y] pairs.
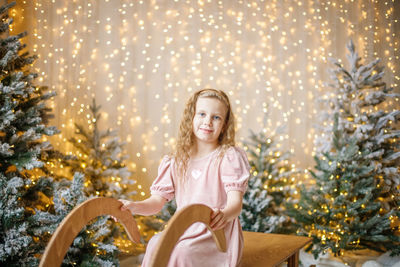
{"points": [[235, 170], [163, 185]]}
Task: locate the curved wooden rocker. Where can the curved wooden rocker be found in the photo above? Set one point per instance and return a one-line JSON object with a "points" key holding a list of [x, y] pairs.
{"points": [[77, 219], [92, 208], [177, 225]]}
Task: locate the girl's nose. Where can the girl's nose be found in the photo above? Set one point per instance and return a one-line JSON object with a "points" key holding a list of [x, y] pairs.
{"points": [[208, 120]]}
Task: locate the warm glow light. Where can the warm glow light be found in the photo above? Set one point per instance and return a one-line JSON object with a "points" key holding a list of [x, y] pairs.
{"points": [[141, 60]]}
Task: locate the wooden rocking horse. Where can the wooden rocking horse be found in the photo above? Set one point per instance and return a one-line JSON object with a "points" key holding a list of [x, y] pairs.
{"points": [[260, 249]]}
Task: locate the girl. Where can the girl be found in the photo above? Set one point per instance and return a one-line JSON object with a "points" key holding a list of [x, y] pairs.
{"points": [[205, 168]]}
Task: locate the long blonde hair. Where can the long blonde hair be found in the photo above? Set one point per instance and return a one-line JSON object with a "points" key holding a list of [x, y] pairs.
{"points": [[186, 139]]}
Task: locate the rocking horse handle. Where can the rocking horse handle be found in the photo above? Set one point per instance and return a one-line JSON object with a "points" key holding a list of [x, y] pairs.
{"points": [[77, 219], [177, 225]]}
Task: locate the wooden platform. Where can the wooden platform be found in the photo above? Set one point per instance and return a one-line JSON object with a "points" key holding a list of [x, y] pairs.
{"points": [[265, 250]]}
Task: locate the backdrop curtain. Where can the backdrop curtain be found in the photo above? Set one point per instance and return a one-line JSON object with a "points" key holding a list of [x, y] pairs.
{"points": [[140, 60]]}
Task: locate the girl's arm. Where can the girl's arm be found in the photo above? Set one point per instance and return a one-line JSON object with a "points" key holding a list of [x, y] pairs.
{"points": [[149, 206], [219, 218]]}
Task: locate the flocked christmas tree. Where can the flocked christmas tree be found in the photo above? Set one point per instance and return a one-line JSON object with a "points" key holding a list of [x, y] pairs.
{"points": [[94, 244], [100, 158], [354, 203], [27, 215], [270, 186], [25, 190]]}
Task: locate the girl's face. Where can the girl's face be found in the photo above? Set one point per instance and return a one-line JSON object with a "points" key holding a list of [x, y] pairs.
{"points": [[209, 120]]}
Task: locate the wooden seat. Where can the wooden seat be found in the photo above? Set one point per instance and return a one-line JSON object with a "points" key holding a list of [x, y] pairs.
{"points": [[260, 249], [264, 250]]}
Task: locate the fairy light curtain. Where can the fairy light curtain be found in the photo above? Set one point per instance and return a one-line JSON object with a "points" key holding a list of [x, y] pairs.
{"points": [[142, 59]]}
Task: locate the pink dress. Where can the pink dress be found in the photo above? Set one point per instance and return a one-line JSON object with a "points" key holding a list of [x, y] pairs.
{"points": [[209, 179]]}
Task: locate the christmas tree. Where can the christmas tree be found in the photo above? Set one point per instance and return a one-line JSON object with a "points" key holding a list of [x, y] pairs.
{"points": [[270, 186], [94, 244], [100, 251], [100, 157], [354, 203], [25, 189]]}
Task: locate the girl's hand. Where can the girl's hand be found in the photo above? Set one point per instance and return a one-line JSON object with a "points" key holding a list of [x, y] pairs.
{"points": [[218, 220], [127, 205]]}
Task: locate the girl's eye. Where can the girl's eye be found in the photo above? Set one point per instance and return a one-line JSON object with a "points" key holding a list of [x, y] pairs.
{"points": [[217, 117], [202, 114]]}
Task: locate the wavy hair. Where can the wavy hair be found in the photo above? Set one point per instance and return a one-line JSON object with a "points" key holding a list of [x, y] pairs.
{"points": [[186, 137]]}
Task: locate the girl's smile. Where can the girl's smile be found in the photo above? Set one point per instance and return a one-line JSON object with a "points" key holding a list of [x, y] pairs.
{"points": [[206, 130]]}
